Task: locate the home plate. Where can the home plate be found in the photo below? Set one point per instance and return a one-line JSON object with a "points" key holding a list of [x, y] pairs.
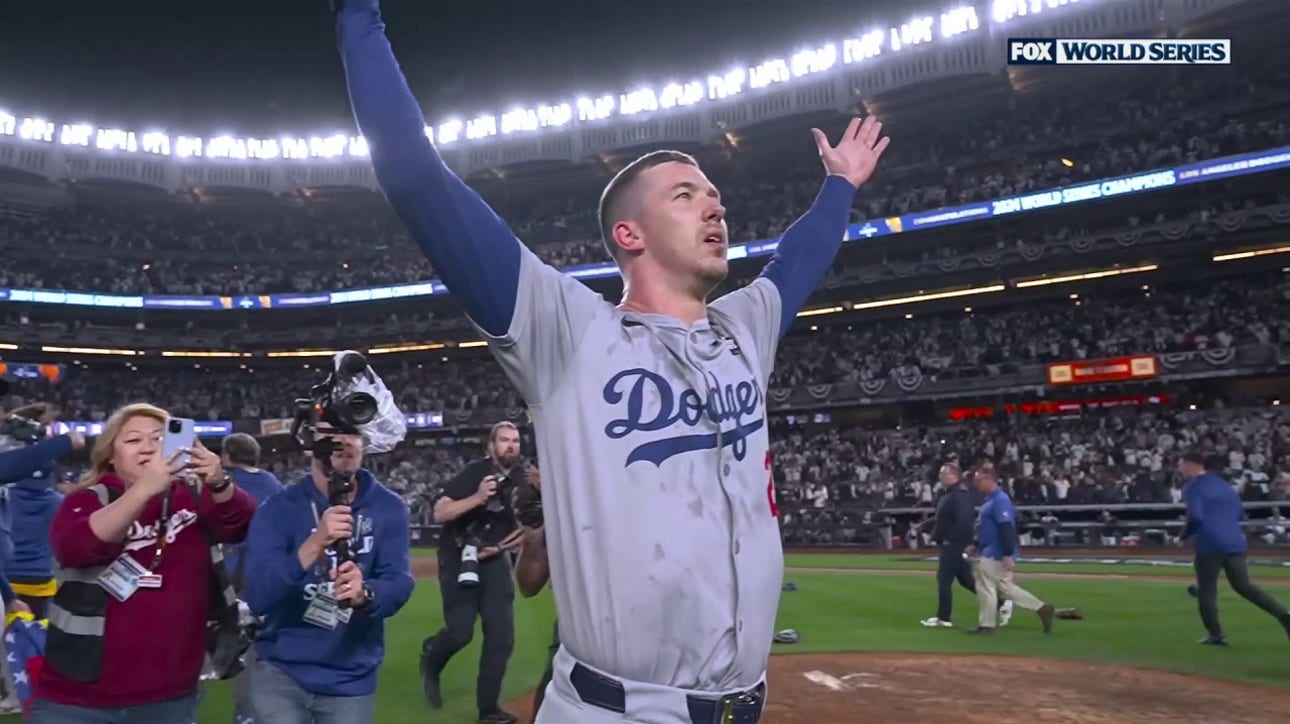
{"points": [[825, 680]]}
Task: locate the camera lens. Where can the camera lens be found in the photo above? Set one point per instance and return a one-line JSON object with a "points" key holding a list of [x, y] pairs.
{"points": [[176, 426], [358, 408]]}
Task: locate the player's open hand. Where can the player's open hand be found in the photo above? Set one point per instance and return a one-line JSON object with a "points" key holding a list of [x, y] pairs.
{"points": [[857, 154]]}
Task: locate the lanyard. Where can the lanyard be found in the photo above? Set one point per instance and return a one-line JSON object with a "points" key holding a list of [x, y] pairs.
{"points": [[162, 525]]}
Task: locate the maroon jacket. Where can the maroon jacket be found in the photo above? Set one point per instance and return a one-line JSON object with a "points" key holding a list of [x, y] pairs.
{"points": [[154, 642]]}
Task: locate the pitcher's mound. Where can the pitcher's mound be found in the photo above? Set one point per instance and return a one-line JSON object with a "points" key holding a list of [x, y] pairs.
{"points": [[967, 689]]}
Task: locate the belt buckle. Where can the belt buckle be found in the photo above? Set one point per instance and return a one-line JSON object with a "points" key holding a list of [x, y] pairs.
{"points": [[730, 702]]}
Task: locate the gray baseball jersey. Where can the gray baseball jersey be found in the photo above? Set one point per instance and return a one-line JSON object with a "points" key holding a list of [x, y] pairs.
{"points": [[664, 544]]}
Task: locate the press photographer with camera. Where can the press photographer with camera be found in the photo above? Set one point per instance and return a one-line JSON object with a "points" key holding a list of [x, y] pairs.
{"points": [[23, 449], [328, 560], [476, 509], [128, 626], [30, 502]]}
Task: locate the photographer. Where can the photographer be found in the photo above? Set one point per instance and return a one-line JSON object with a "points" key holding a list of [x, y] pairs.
{"points": [[31, 502], [20, 453], [479, 528], [128, 625], [323, 638]]}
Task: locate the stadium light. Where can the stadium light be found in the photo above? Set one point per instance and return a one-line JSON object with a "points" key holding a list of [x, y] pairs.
{"points": [[406, 349], [305, 353], [92, 350], [116, 139], [915, 32], [1085, 276], [157, 143], [958, 21], [1002, 11], [818, 311], [75, 134], [449, 131], [1251, 253], [36, 129], [188, 146], [199, 355], [929, 297], [952, 22]]}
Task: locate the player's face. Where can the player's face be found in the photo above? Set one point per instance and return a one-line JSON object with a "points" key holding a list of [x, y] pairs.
{"points": [[948, 476], [506, 446], [683, 225]]}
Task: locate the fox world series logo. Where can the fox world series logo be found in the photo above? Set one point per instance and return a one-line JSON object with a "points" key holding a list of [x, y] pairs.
{"points": [[1123, 51]]}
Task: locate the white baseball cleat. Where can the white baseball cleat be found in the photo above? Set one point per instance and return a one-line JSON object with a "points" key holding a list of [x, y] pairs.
{"points": [[934, 622], [1005, 613]]}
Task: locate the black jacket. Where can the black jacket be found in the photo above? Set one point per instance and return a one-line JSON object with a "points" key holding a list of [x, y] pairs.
{"points": [[488, 526], [955, 518]]}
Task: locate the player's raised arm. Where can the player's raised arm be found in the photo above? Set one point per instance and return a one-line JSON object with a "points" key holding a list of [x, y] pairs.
{"points": [[474, 252], [808, 247]]}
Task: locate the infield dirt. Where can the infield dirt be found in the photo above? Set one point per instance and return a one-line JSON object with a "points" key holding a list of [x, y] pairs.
{"points": [[970, 689], [974, 689]]}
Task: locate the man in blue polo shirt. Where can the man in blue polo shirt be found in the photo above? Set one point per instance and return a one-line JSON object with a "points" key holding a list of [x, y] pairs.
{"points": [[996, 540], [1214, 514]]}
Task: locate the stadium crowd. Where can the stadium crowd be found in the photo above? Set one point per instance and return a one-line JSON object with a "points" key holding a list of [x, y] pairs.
{"points": [[949, 344], [319, 247], [833, 483]]}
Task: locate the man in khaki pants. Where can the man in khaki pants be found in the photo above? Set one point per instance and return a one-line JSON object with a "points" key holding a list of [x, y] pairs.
{"points": [[996, 541]]}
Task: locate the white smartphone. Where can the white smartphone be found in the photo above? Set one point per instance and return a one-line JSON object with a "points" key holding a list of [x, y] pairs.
{"points": [[179, 434]]}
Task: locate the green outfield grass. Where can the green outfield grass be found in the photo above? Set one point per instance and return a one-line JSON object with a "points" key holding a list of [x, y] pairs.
{"points": [[913, 561], [1132, 622]]}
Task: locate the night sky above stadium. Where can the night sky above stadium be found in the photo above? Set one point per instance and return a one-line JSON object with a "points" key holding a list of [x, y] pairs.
{"points": [[271, 65]]}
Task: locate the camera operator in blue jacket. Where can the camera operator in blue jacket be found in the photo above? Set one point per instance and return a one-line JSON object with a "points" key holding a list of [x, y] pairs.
{"points": [[28, 469], [323, 638]]}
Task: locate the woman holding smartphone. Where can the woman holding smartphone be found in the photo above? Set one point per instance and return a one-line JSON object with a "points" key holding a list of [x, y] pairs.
{"points": [[127, 628]]}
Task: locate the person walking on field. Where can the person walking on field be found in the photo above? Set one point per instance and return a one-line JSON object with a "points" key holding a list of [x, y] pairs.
{"points": [[1214, 514], [996, 542]]}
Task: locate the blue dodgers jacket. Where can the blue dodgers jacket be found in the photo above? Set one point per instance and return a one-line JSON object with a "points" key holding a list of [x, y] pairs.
{"points": [[33, 502], [332, 662], [1214, 515]]}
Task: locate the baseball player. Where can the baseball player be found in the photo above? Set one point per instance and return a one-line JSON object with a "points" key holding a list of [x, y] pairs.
{"points": [[659, 508]]}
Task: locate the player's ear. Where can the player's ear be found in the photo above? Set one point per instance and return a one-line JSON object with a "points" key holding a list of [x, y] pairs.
{"points": [[628, 238]]}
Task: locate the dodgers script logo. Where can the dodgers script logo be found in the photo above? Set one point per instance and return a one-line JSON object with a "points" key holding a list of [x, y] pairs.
{"points": [[738, 402], [141, 536]]}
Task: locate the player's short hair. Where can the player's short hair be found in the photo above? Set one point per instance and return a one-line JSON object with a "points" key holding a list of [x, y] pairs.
{"points": [[242, 449], [503, 425], [617, 190], [953, 467]]}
